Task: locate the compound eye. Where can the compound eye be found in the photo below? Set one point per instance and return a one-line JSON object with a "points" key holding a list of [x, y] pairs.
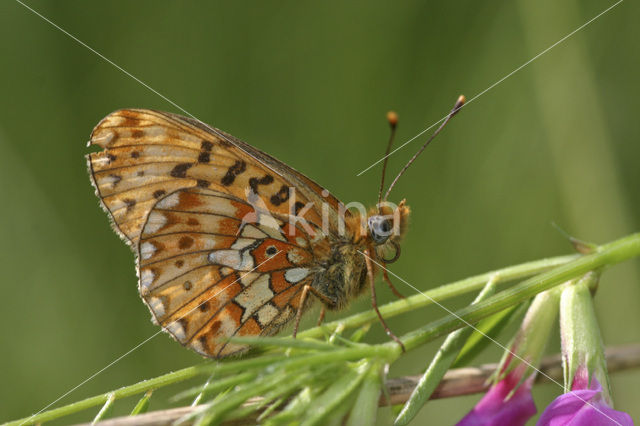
{"points": [[380, 228]]}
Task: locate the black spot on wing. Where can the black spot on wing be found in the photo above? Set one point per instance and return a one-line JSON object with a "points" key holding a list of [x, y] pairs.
{"points": [[204, 157], [255, 182], [130, 204], [206, 146], [180, 170], [281, 196], [299, 205], [237, 168]]}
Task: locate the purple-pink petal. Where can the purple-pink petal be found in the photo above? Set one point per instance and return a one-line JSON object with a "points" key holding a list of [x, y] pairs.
{"points": [[495, 409], [583, 407]]}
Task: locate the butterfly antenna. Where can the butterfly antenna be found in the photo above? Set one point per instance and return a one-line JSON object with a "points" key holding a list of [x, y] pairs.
{"points": [[392, 118], [459, 104]]}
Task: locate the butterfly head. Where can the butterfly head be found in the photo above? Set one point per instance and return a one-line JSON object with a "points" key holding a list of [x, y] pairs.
{"points": [[386, 225]]}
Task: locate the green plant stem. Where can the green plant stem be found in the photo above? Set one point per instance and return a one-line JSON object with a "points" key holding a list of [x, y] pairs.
{"points": [[441, 293], [439, 365], [366, 406], [563, 269], [391, 309], [140, 387], [605, 256]]}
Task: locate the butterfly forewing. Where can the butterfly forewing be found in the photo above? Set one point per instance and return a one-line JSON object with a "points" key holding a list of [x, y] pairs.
{"points": [[211, 264], [150, 154]]}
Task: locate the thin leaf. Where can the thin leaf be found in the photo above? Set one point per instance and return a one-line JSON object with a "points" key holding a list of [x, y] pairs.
{"points": [[219, 410], [288, 386], [295, 408], [143, 404], [105, 410], [203, 392], [338, 416], [359, 334], [335, 395], [219, 385], [441, 362], [346, 341], [283, 342], [365, 407], [271, 408], [491, 327]]}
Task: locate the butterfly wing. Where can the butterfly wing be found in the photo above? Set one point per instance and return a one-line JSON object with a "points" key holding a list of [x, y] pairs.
{"points": [[212, 262], [206, 274], [149, 154]]}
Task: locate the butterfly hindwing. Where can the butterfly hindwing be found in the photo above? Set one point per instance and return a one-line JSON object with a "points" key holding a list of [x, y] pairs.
{"points": [[211, 268]]}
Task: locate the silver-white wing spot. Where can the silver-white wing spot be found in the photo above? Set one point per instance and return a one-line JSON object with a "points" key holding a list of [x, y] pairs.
{"points": [[155, 221], [238, 260], [271, 226], [146, 278], [296, 275], [249, 277], [250, 231], [242, 243], [156, 306], [254, 296], [177, 330], [147, 250], [169, 201]]}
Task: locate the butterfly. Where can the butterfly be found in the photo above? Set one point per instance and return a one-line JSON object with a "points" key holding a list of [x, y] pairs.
{"points": [[228, 240]]}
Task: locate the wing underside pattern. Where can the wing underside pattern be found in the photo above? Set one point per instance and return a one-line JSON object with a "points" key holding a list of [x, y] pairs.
{"points": [[207, 275], [209, 218]]}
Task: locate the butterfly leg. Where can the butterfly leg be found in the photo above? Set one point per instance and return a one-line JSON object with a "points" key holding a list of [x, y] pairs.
{"points": [[303, 298], [374, 302], [395, 291], [321, 318]]}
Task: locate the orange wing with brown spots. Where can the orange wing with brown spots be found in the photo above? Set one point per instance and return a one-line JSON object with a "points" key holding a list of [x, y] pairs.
{"points": [[207, 274], [209, 218], [149, 154]]}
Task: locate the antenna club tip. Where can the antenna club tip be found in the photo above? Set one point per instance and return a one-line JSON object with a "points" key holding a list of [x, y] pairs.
{"points": [[392, 118], [459, 103]]}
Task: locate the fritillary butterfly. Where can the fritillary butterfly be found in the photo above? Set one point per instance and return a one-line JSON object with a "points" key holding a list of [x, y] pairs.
{"points": [[228, 240]]}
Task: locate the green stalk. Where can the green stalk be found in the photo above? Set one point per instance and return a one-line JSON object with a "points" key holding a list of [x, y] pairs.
{"points": [[559, 269], [331, 400], [140, 387], [439, 365], [606, 255], [441, 293], [366, 406]]}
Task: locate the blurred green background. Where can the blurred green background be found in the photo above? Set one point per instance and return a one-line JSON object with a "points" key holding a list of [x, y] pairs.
{"points": [[310, 83]]}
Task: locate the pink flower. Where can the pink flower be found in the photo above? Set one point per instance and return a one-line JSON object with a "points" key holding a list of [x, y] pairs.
{"points": [[509, 401], [500, 406], [584, 405]]}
